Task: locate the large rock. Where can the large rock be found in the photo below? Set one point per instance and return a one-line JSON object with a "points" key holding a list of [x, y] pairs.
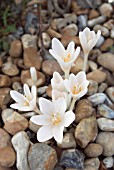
{"points": [[106, 60], [42, 157]]}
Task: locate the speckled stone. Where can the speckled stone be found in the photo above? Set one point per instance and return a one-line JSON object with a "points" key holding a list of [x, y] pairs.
{"points": [[42, 157], [94, 163], [105, 124], [92, 88], [105, 111], [10, 69], [93, 150], [5, 139]]}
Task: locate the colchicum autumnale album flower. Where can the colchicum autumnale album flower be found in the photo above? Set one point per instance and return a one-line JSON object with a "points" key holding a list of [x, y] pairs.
{"points": [[26, 102], [88, 39], [33, 74], [53, 119], [57, 82], [77, 85], [64, 57]]}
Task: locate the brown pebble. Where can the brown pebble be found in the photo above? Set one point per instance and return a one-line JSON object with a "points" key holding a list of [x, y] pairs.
{"points": [[3, 94], [50, 66], [15, 48], [65, 40], [53, 33], [5, 81], [107, 44], [5, 139], [49, 91], [93, 14], [93, 150], [10, 69]]}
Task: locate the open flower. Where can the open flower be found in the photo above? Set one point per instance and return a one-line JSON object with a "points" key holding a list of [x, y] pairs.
{"points": [[26, 102], [53, 118], [88, 39], [57, 82], [33, 74], [77, 85], [64, 57]]}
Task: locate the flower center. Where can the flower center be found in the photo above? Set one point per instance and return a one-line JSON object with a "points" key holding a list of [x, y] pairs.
{"points": [[67, 59], [26, 103], [77, 89], [55, 118]]}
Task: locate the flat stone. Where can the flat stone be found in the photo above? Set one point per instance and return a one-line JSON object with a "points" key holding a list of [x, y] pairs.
{"points": [[5, 139], [107, 61], [7, 156], [107, 144], [50, 66], [15, 123], [15, 48], [32, 58], [68, 141], [10, 69], [4, 92], [29, 41], [105, 124], [86, 131], [42, 157], [21, 144], [26, 78], [97, 76], [83, 110], [105, 111], [72, 158], [98, 20], [93, 150]]}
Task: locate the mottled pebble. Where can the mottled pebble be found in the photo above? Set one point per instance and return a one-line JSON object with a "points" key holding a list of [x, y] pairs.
{"points": [[15, 48], [46, 40], [5, 81], [110, 93], [10, 69], [33, 127], [107, 144], [93, 150], [97, 76], [40, 161], [106, 9], [71, 30], [105, 111], [4, 93], [92, 88], [107, 44], [5, 139], [104, 31], [105, 124], [98, 20], [102, 87], [108, 162], [29, 41], [93, 162], [93, 66]]}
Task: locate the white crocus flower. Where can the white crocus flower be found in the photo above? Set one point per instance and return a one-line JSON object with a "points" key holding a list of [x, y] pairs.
{"points": [[33, 74], [77, 86], [88, 39], [26, 102], [64, 57], [57, 82], [53, 119]]}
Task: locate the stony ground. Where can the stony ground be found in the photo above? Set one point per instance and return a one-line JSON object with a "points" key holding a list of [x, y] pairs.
{"points": [[89, 142]]}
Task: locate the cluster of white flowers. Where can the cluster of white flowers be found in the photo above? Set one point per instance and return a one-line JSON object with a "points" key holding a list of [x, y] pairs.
{"points": [[56, 114]]}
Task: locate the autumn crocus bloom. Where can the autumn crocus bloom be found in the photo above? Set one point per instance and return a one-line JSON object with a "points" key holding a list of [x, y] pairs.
{"points": [[33, 74], [64, 57], [53, 119], [26, 102], [57, 82]]}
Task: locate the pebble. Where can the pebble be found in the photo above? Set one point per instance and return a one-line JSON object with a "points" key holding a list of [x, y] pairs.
{"points": [[10, 69], [99, 98], [97, 75], [104, 31], [107, 44], [109, 78], [105, 124], [46, 40], [108, 24], [93, 163], [112, 33], [21, 144], [92, 88], [86, 131], [7, 156], [110, 93], [50, 66], [32, 58], [93, 66], [70, 30], [17, 86], [100, 41], [58, 168], [42, 157], [83, 110], [106, 60], [15, 123], [4, 168], [15, 48], [105, 111], [68, 141], [98, 20], [49, 91], [108, 162], [4, 93], [28, 114], [93, 14], [107, 144], [53, 34], [29, 41], [106, 9], [33, 127], [5, 139], [42, 90], [6, 113], [5, 81], [26, 78], [82, 22], [102, 87], [93, 150], [66, 39], [72, 158]]}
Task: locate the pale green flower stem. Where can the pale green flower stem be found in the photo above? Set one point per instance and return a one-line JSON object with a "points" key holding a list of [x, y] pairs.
{"points": [[85, 61], [73, 103], [67, 74]]}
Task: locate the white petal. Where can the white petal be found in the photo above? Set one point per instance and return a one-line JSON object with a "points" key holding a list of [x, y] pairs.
{"points": [[60, 106], [27, 92], [87, 32], [32, 104], [70, 48], [34, 92], [67, 85], [57, 47], [81, 77], [15, 106], [40, 120], [69, 117], [20, 107], [83, 41], [45, 133], [57, 94], [46, 107], [53, 53], [19, 98], [76, 53], [33, 74], [58, 133], [82, 93]]}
